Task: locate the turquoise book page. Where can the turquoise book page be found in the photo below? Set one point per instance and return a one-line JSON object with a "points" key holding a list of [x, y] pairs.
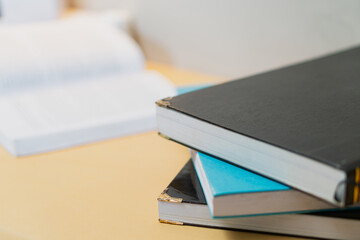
{"points": [[225, 178]]}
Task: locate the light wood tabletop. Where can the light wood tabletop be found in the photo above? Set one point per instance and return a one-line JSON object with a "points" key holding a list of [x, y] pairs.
{"points": [[105, 190]]}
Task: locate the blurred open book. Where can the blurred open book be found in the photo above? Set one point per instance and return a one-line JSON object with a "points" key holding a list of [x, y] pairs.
{"points": [[71, 82]]}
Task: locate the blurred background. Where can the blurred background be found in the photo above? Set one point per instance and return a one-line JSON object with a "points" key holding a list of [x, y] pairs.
{"points": [[230, 38], [235, 38]]}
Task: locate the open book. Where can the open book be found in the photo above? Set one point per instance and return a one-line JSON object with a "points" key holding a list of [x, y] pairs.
{"points": [[71, 82]]}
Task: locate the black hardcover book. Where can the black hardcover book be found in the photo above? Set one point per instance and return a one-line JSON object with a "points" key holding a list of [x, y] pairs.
{"points": [[183, 203], [298, 124]]}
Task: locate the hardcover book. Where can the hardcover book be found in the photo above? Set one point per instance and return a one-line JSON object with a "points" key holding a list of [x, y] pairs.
{"points": [[183, 203], [297, 124], [233, 191]]}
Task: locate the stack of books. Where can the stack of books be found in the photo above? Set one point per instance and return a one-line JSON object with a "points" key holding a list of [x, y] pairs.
{"points": [[276, 152]]}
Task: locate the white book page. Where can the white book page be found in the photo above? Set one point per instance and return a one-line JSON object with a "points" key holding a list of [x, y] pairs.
{"points": [[81, 104], [68, 50]]}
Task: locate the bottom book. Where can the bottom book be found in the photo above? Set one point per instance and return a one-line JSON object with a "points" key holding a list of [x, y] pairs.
{"points": [[183, 203]]}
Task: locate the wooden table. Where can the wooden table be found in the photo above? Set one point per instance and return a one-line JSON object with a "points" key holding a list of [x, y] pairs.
{"points": [[105, 190]]}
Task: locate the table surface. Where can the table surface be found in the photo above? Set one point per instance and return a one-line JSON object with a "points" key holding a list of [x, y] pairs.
{"points": [[105, 190]]}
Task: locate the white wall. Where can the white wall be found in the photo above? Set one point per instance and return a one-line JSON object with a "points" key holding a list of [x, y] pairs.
{"points": [[235, 38]]}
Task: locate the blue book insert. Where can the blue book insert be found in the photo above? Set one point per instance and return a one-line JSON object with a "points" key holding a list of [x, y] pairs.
{"points": [[225, 178], [190, 88]]}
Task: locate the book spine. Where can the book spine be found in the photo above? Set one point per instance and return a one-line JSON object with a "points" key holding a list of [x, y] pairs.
{"points": [[356, 197], [353, 187]]}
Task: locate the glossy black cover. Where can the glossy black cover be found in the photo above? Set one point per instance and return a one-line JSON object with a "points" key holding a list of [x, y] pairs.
{"points": [[186, 186], [312, 108]]}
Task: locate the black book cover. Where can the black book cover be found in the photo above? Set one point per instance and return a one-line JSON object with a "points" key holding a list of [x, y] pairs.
{"points": [[185, 186], [311, 109]]}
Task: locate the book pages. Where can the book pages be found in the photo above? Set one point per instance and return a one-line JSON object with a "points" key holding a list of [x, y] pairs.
{"points": [[68, 50], [81, 112]]}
